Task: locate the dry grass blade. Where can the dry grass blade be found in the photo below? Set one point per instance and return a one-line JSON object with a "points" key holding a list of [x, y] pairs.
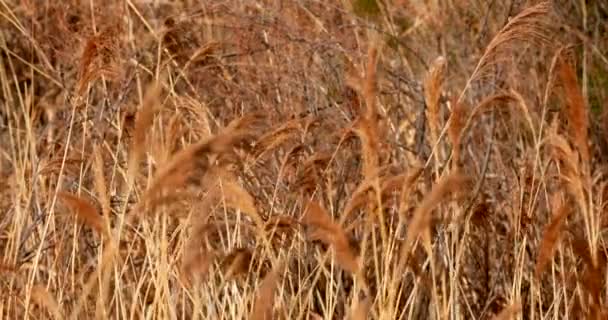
{"points": [[330, 233], [84, 211], [433, 84], [551, 236], [264, 300], [44, 299], [530, 25], [451, 184], [578, 119], [143, 121], [509, 312]]}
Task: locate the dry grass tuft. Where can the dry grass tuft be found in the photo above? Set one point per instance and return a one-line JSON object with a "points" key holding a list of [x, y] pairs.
{"points": [[205, 143], [452, 184], [43, 298], [455, 129], [143, 122], [530, 25], [551, 235], [433, 85], [189, 165], [577, 115], [330, 233], [264, 299], [84, 211]]}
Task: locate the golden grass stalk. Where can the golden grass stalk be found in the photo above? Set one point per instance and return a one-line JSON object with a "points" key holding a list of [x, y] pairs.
{"points": [[43, 298], [433, 83], [577, 115], [551, 237], [264, 299], [84, 211], [330, 233]]}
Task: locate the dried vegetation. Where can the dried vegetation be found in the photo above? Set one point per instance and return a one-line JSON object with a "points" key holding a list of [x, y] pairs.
{"points": [[262, 159]]}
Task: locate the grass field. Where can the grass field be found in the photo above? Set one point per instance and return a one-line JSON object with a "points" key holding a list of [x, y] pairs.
{"points": [[268, 159]]}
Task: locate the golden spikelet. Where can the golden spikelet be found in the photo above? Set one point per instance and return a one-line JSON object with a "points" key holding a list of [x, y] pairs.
{"points": [[551, 236], [433, 84], [367, 131], [278, 136], [457, 124], [387, 185], [189, 165], [369, 83], [143, 121], [264, 299], [98, 59], [238, 198], [43, 298], [578, 118], [452, 184], [330, 233], [84, 211], [530, 25]]}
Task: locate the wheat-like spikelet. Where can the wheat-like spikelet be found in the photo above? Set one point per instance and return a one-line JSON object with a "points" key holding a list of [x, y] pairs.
{"points": [[577, 115], [143, 121], [570, 167], [454, 183], [278, 136], [330, 233], [190, 164], [264, 299], [44, 299], [455, 129], [551, 236], [387, 185], [367, 131], [433, 84], [370, 83], [530, 25], [84, 211], [97, 59]]}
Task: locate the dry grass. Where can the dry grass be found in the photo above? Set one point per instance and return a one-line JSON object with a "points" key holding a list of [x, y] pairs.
{"points": [[254, 159]]}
